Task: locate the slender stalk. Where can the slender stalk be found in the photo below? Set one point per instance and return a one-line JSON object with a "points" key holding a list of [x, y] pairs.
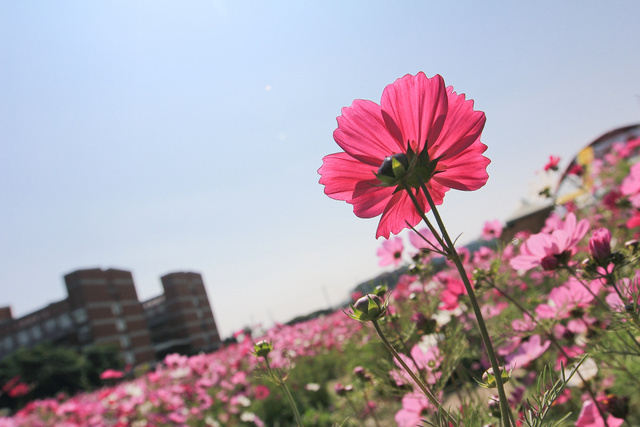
{"points": [[369, 409], [286, 392], [413, 376], [505, 411], [425, 219], [353, 407]]}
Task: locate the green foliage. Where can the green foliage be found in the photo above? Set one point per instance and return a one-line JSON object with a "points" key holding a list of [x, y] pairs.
{"points": [[540, 404], [99, 359], [49, 370]]}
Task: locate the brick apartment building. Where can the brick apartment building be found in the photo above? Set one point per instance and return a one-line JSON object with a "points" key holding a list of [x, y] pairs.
{"points": [[102, 307]]}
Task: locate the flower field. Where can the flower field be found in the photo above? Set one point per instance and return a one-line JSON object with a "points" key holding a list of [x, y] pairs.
{"points": [[560, 304]]}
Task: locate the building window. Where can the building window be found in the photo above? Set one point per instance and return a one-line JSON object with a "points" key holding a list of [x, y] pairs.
{"points": [[8, 343], [80, 315], [121, 325], [195, 301], [116, 308], [23, 338], [50, 325], [125, 341], [36, 332], [84, 333], [65, 321]]}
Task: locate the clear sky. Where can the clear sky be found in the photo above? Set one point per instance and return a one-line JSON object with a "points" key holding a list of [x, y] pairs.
{"points": [[161, 136]]}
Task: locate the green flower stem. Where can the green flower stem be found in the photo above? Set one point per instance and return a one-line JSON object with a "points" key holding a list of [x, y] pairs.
{"points": [[402, 342], [425, 219], [369, 410], [413, 376], [277, 375], [505, 411], [353, 407]]}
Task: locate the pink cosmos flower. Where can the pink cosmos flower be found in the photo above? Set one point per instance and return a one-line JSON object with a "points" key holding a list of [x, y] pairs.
{"points": [[428, 360], [421, 131], [450, 297], [492, 230], [600, 244], [631, 185], [527, 351], [415, 406], [111, 374], [590, 417], [418, 240], [550, 250], [552, 164], [391, 252]]}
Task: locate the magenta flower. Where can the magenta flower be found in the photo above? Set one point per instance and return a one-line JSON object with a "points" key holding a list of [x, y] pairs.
{"points": [[551, 250], [414, 408], [552, 164], [421, 131], [391, 252], [600, 244], [111, 374], [492, 230], [631, 185], [418, 240], [590, 417], [527, 352], [564, 299]]}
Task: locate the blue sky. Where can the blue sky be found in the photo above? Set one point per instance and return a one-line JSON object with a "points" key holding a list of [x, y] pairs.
{"points": [[160, 136]]}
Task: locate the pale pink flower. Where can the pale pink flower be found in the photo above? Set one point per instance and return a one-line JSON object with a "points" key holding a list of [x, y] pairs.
{"points": [[590, 417], [527, 351], [492, 230], [551, 250], [563, 299], [418, 240], [390, 252], [631, 185], [414, 408], [428, 361]]}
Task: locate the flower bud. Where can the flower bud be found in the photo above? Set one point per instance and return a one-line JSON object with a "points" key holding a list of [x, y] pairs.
{"points": [[369, 307], [361, 373], [262, 348], [489, 379], [600, 245], [342, 390], [394, 166]]}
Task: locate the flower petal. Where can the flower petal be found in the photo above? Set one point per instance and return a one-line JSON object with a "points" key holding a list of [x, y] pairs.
{"points": [[362, 133], [414, 108], [341, 174], [461, 129], [467, 171]]}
